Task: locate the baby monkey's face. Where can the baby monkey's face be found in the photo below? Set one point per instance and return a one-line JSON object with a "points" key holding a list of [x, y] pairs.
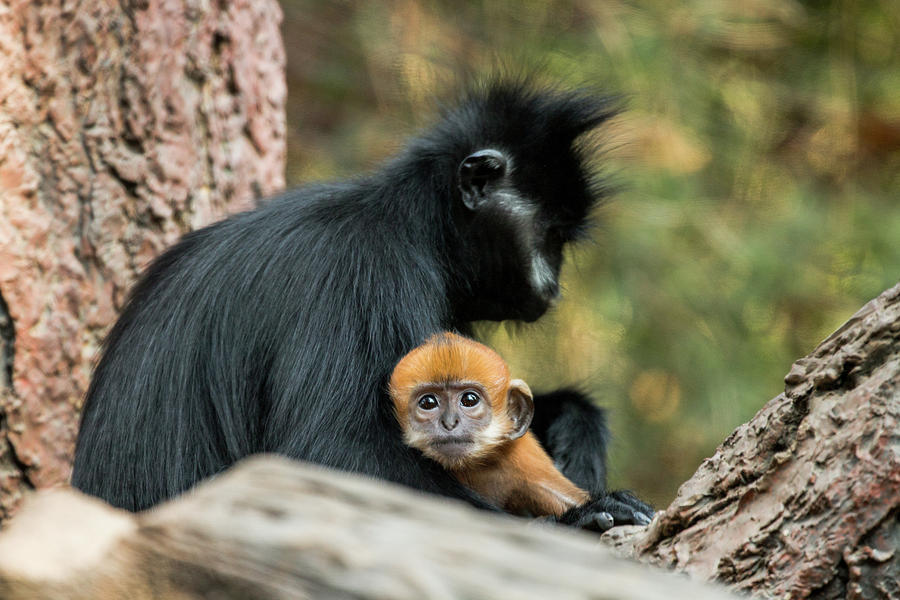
{"points": [[450, 422]]}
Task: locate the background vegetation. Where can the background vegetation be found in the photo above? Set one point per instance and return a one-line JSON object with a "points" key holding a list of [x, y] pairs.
{"points": [[759, 175]]}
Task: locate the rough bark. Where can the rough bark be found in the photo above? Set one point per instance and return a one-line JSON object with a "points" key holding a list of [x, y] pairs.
{"points": [[273, 528], [122, 126], [804, 500]]}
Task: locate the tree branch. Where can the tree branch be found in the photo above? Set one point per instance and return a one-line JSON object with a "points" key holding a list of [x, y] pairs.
{"points": [[804, 500]]}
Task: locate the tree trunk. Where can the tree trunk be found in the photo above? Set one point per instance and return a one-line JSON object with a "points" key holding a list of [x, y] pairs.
{"points": [[122, 126], [804, 500], [274, 528]]}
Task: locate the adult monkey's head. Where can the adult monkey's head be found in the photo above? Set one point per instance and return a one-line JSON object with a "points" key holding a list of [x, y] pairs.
{"points": [[521, 192]]}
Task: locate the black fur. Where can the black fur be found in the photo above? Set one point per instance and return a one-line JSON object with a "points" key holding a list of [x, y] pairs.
{"points": [[568, 424], [274, 330], [565, 422]]}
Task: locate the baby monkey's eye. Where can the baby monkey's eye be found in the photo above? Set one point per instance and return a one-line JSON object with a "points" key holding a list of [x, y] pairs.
{"points": [[428, 402], [469, 399]]}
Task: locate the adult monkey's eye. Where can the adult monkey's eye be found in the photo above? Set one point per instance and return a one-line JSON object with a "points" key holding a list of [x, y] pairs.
{"points": [[469, 399], [428, 402]]}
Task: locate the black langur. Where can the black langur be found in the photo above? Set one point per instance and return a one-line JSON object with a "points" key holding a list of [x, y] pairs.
{"points": [[275, 330]]}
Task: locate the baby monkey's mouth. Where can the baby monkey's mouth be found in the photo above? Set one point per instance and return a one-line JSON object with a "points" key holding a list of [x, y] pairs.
{"points": [[454, 447], [453, 440]]}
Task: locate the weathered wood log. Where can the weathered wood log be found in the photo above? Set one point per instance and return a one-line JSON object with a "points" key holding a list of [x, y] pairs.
{"points": [[274, 528], [804, 500]]}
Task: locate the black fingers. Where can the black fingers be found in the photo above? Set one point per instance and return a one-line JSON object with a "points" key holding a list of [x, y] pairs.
{"points": [[607, 511], [640, 509]]}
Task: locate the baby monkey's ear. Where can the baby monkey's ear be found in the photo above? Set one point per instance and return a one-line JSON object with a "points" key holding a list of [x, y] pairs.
{"points": [[519, 408]]}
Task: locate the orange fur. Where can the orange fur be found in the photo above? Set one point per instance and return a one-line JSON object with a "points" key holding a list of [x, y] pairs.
{"points": [[523, 480], [448, 357], [516, 474]]}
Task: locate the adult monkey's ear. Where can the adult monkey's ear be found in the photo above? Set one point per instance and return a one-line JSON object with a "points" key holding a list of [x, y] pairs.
{"points": [[477, 173], [519, 408]]}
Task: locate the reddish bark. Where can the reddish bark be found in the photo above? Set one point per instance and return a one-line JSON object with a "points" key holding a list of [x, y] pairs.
{"points": [[122, 126]]}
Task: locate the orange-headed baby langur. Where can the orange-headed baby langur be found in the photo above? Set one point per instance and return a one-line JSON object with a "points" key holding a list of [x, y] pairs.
{"points": [[457, 404]]}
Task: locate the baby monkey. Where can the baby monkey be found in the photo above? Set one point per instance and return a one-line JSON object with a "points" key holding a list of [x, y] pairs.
{"points": [[456, 403]]}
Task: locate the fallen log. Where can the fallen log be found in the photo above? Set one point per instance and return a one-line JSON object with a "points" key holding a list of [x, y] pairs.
{"points": [[275, 528]]}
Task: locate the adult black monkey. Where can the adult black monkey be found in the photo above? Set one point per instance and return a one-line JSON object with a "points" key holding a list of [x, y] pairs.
{"points": [[275, 330]]}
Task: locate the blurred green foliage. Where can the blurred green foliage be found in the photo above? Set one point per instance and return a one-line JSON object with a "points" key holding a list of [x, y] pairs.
{"points": [[759, 174]]}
